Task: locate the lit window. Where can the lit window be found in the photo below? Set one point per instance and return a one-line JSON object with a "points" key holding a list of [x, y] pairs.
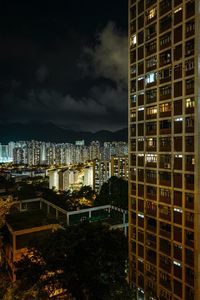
{"points": [[178, 9], [151, 14], [152, 110], [165, 107], [151, 62], [133, 40], [151, 77], [189, 102], [178, 120], [151, 158]]}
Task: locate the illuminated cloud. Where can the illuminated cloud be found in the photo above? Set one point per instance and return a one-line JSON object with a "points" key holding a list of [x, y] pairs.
{"points": [[109, 57]]}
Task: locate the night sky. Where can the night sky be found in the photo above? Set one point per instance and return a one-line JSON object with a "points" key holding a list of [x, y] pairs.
{"points": [[64, 62]]}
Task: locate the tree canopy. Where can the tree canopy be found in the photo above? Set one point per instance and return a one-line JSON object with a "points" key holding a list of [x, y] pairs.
{"points": [[88, 260], [115, 192]]}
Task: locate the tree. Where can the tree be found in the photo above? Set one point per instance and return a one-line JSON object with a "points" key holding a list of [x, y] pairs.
{"points": [[115, 192], [5, 205], [87, 259]]}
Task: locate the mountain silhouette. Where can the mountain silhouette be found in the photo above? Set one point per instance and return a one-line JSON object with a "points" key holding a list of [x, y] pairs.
{"points": [[50, 132]]}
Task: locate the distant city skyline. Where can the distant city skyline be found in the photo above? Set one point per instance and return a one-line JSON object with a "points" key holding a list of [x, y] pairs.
{"points": [[35, 153]]}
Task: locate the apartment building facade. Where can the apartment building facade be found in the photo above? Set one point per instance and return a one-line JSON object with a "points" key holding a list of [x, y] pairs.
{"points": [[164, 231]]}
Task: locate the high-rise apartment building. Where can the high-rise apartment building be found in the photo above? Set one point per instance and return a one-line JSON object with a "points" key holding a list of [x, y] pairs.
{"points": [[164, 132]]}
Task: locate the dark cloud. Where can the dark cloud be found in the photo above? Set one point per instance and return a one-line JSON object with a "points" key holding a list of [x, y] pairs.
{"points": [[102, 106], [42, 73]]}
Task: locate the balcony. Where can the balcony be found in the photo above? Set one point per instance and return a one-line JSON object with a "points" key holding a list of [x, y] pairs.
{"points": [[150, 3], [178, 52], [189, 276], [140, 161], [178, 89], [141, 99], [165, 58], [178, 34], [178, 288], [151, 128], [165, 281], [151, 209], [140, 222], [141, 21], [189, 48], [178, 144], [165, 178], [189, 124], [165, 263], [140, 39], [178, 16], [133, 12], [151, 240], [178, 198], [189, 144], [178, 216], [190, 28], [151, 31], [189, 201], [189, 182], [141, 237], [178, 71], [177, 271], [165, 146], [141, 190], [151, 193], [165, 127], [140, 68], [133, 174], [133, 189], [178, 180], [178, 162], [165, 230], [189, 292], [190, 8], [133, 56], [151, 224], [141, 175], [151, 256], [165, 41], [177, 252], [140, 127], [165, 6], [140, 6], [178, 107], [151, 177], [177, 234], [165, 92], [165, 23], [178, 125], [151, 96], [189, 164], [189, 238], [133, 160], [189, 220], [165, 196], [189, 257], [151, 48], [165, 213], [141, 52], [140, 145]]}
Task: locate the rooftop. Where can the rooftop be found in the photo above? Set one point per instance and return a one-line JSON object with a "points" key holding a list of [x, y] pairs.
{"points": [[26, 220]]}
